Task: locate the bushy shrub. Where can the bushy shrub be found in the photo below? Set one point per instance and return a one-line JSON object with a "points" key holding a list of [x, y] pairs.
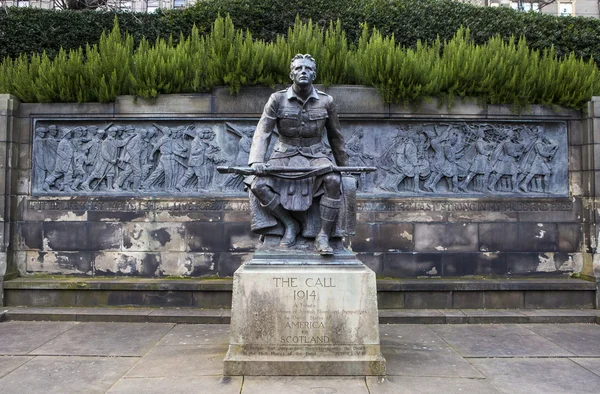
{"points": [[28, 30], [498, 72]]}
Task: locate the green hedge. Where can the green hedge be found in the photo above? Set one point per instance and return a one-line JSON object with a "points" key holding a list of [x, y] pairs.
{"points": [[25, 30], [497, 72]]}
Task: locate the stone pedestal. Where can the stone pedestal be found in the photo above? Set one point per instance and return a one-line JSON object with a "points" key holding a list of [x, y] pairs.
{"points": [[304, 319]]}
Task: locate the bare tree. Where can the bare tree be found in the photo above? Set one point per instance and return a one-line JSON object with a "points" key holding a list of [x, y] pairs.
{"points": [[79, 4]]}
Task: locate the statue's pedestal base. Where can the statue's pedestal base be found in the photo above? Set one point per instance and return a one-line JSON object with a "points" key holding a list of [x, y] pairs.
{"points": [[304, 319]]}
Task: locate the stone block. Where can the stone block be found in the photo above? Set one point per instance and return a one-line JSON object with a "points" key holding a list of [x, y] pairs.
{"points": [[548, 299], [412, 265], [63, 263], [24, 131], [24, 157], [204, 237], [135, 298], [428, 300], [537, 237], [473, 264], [467, 299], [23, 181], [249, 101], [239, 238], [57, 109], [119, 216], [230, 262], [154, 237], [503, 299], [390, 300], [541, 263], [358, 101], [128, 263], [195, 216], [372, 260], [188, 264], [212, 300], [41, 298], [575, 156], [453, 237], [392, 237], [363, 241], [474, 217], [570, 237], [181, 104], [313, 320], [575, 129], [4, 188], [236, 216], [105, 236], [498, 237], [29, 236], [409, 217], [576, 185], [66, 236], [432, 107]]}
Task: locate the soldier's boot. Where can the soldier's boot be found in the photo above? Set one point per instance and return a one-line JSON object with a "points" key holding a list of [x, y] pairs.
{"points": [[292, 228], [329, 211], [182, 181]]}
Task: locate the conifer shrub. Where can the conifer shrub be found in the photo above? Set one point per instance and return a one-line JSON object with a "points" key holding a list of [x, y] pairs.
{"points": [[497, 72]]}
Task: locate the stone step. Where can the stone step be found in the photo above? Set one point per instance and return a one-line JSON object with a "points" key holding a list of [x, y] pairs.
{"points": [[501, 293], [222, 316]]}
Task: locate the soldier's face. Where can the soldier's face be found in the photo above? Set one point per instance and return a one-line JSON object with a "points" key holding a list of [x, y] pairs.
{"points": [[303, 72]]}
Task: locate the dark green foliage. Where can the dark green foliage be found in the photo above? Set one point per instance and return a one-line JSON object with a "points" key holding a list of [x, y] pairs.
{"points": [[26, 30], [497, 72]]}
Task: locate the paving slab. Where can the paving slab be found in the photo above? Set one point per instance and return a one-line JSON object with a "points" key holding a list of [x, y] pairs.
{"points": [[496, 340], [535, 375], [23, 337], [441, 361], [579, 339], [42, 314], [591, 364], [52, 374], [430, 385], [304, 385], [408, 336], [180, 361], [183, 385], [188, 316], [196, 334], [494, 316], [10, 363], [106, 339]]}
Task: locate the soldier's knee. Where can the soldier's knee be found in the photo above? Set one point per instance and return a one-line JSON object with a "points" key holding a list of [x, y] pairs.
{"points": [[332, 181], [259, 188]]}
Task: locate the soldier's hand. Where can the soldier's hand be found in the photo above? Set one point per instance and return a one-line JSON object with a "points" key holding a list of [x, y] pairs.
{"points": [[259, 168]]}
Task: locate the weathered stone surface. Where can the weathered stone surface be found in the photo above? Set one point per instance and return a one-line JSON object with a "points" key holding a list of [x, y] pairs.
{"points": [[411, 265], [204, 237], [181, 104], [154, 237], [10, 363], [557, 299], [131, 263], [429, 300], [204, 384], [59, 262], [23, 337], [497, 341], [579, 339], [524, 376], [467, 299], [239, 237], [356, 101], [249, 101], [126, 339], [454, 237], [473, 264], [67, 374], [181, 361], [66, 236], [196, 334], [503, 299], [304, 320], [302, 385], [429, 385]]}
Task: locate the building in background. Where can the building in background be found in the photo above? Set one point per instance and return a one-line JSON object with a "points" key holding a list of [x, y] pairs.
{"points": [[589, 8]]}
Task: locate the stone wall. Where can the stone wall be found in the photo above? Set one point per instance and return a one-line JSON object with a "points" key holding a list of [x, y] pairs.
{"points": [[447, 228]]}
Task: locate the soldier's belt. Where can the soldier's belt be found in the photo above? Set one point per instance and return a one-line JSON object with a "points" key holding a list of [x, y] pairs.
{"points": [[299, 141]]}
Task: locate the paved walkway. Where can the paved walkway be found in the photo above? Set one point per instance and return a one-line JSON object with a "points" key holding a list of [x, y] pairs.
{"points": [[76, 357]]}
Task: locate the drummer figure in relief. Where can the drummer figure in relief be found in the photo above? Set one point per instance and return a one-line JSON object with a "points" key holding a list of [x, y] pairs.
{"points": [[309, 136]]}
